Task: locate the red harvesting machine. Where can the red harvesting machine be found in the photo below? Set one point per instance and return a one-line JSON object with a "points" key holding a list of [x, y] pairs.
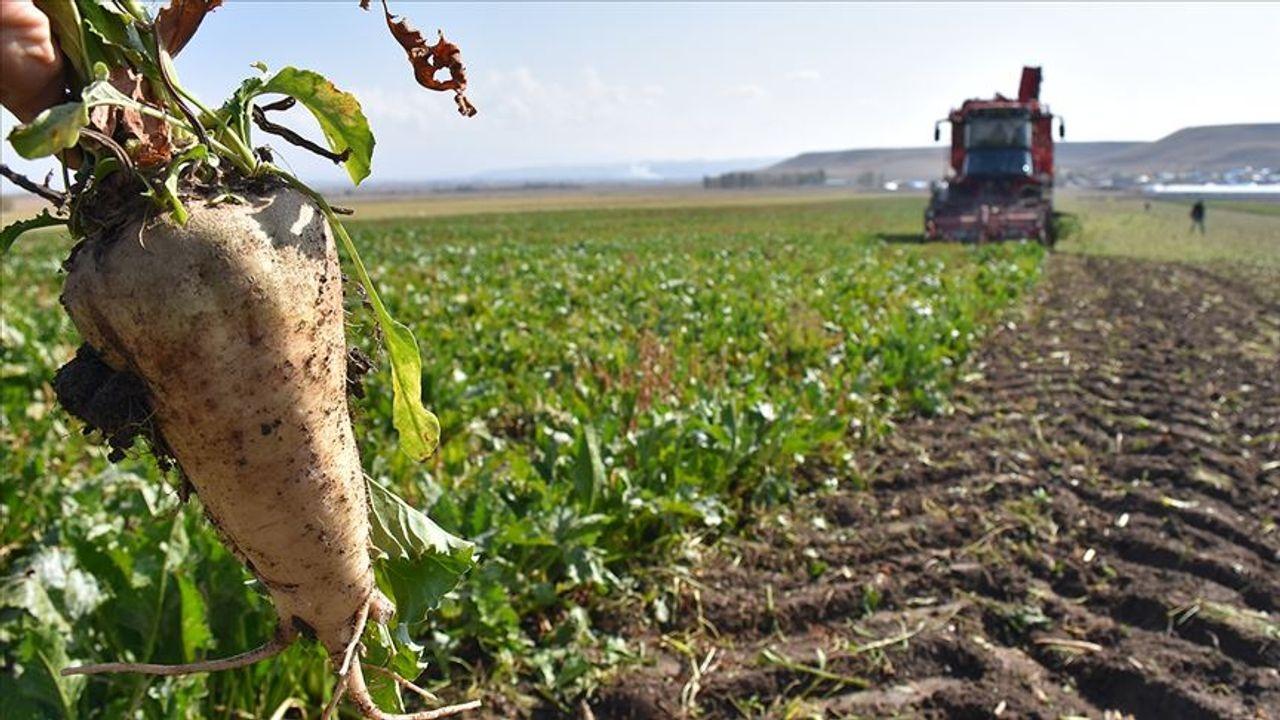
{"points": [[1000, 179]]}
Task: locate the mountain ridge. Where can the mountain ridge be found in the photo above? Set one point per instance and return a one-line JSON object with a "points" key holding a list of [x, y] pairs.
{"points": [[1206, 148]]}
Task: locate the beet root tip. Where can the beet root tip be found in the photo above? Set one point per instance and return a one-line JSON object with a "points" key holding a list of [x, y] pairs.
{"points": [[359, 693]]}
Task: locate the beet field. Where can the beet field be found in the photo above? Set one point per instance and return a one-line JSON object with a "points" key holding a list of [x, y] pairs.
{"points": [[622, 393]]}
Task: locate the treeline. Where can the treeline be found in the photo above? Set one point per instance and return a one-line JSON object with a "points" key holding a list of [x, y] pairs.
{"points": [[734, 180]]}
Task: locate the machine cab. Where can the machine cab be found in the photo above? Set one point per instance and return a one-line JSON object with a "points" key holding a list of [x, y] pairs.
{"points": [[997, 143]]}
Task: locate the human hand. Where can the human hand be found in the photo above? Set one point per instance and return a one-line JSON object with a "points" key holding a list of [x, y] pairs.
{"points": [[32, 77]]}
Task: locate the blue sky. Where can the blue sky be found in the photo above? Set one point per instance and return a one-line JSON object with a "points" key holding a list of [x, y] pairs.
{"points": [[580, 83]]}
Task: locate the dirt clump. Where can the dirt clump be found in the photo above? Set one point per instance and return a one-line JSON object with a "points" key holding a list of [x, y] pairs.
{"points": [[113, 403]]}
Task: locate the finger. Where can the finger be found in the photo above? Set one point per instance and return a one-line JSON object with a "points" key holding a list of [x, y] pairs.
{"points": [[32, 80]]}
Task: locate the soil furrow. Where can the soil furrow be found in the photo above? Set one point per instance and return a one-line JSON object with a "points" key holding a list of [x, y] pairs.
{"points": [[1098, 517]]}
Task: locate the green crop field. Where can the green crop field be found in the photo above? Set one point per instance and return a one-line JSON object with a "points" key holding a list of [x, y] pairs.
{"points": [[617, 389], [1257, 207]]}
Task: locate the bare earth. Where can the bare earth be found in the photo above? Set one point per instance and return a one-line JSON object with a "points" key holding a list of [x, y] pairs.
{"points": [[1094, 529]]}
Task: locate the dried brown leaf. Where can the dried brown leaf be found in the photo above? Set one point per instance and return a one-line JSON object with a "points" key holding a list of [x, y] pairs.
{"points": [[146, 138], [428, 60], [178, 22], [103, 118]]}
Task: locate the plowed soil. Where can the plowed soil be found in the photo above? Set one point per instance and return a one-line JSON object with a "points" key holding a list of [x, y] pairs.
{"points": [[1092, 532]]}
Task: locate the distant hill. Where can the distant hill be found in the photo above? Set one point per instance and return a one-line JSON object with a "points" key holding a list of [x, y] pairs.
{"points": [[1212, 148], [927, 162], [1208, 149], [1083, 155], [893, 163], [635, 172]]}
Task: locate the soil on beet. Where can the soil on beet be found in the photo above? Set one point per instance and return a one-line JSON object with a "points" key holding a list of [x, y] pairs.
{"points": [[1092, 531], [116, 404]]}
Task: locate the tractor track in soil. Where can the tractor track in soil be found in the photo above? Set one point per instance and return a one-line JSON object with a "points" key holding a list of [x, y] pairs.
{"points": [[1092, 531]]}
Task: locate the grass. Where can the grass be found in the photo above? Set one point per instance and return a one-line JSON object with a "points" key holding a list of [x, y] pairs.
{"points": [[616, 387], [1237, 232], [1258, 207]]}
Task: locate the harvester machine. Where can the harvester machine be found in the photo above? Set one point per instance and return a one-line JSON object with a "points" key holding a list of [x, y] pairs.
{"points": [[999, 182]]}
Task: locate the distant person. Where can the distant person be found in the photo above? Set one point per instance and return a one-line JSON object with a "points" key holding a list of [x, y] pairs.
{"points": [[1197, 216]]}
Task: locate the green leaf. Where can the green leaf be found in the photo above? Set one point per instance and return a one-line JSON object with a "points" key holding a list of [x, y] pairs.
{"points": [[169, 188], [53, 131], [41, 651], [114, 29], [196, 634], [419, 429], [177, 548], [402, 531], [103, 167], [25, 592], [588, 470], [381, 650], [11, 232], [384, 691], [40, 691], [423, 562], [65, 21], [339, 115]]}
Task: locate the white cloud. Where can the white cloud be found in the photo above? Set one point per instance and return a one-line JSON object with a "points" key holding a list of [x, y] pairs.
{"points": [[805, 75], [526, 117], [749, 91]]}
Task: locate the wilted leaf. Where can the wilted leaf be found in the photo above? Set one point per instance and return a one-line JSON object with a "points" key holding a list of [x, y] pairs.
{"points": [[104, 92], [11, 232], [53, 131], [423, 562], [428, 60], [178, 22], [150, 140]]}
